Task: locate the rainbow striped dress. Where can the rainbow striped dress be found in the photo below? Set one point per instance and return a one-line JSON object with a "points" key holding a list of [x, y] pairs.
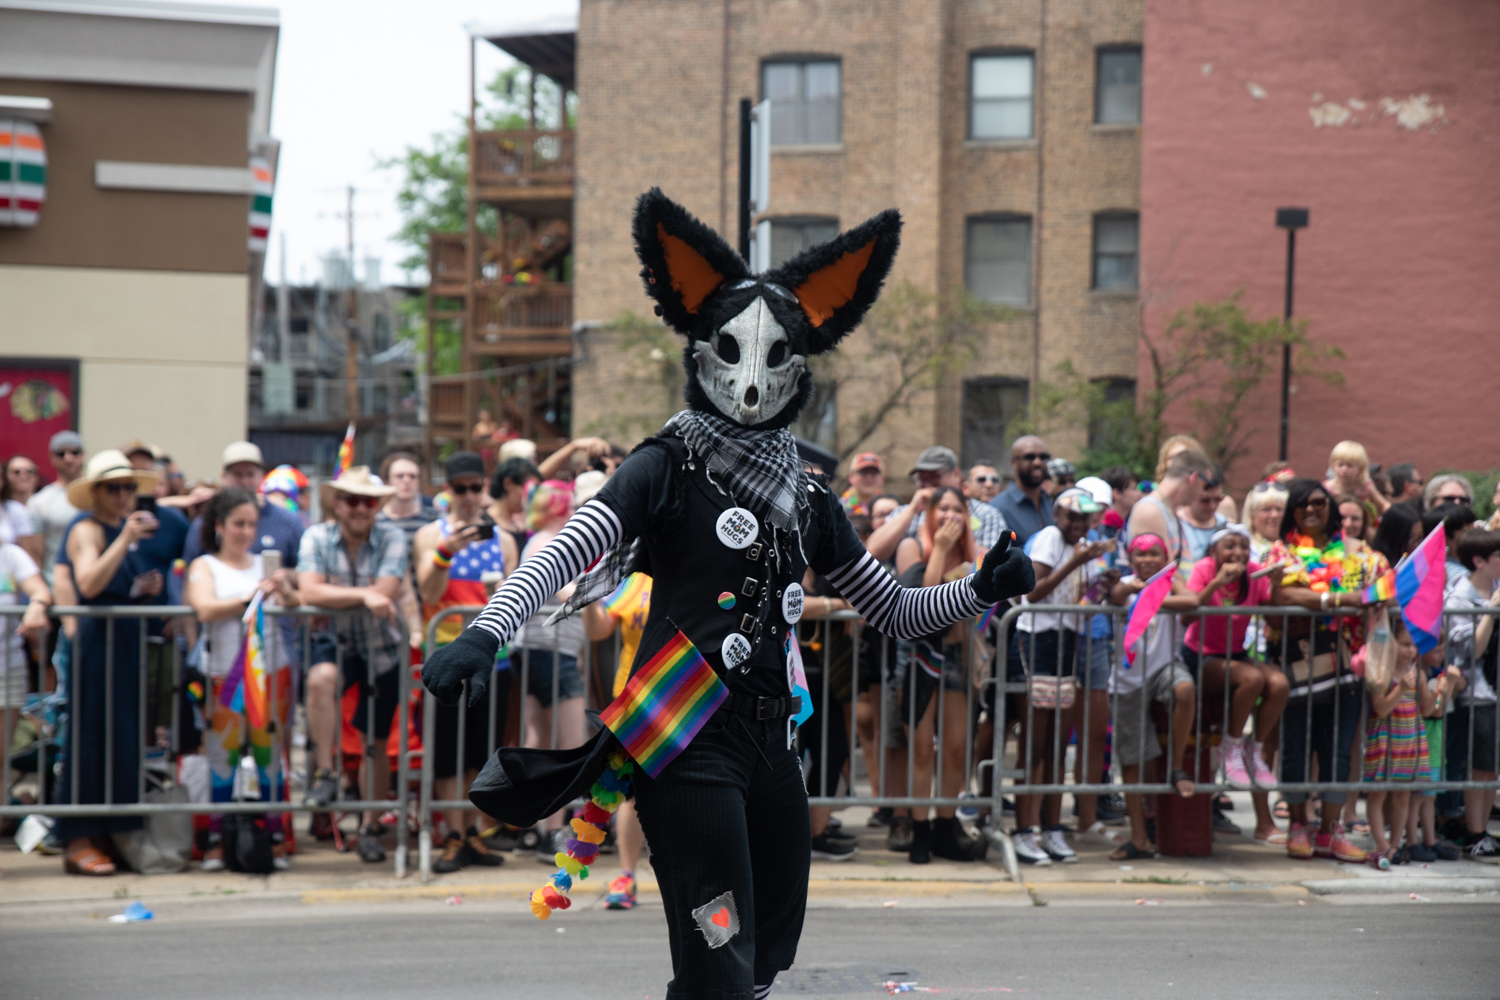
{"points": [[1396, 744]]}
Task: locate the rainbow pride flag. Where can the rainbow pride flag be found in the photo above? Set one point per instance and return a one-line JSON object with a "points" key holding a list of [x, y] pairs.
{"points": [[1419, 589], [665, 704], [1383, 589], [244, 687], [346, 452]]}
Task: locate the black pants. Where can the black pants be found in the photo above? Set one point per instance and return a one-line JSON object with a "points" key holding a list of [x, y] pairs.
{"points": [[113, 729], [730, 815]]}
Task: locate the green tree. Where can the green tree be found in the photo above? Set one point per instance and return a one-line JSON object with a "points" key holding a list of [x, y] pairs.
{"points": [[649, 389]]}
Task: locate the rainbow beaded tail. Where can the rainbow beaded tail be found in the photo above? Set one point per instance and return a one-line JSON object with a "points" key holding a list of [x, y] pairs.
{"points": [[589, 828]]}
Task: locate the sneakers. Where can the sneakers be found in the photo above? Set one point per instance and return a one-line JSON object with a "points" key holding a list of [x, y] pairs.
{"points": [[1299, 842], [621, 893], [1223, 824], [370, 848], [1235, 775], [452, 858], [1422, 854], [551, 844], [1260, 771], [500, 838], [1446, 851], [1028, 851], [1484, 847], [281, 862], [832, 848], [1341, 849], [1056, 845], [477, 852], [880, 817], [920, 851], [898, 837], [950, 840], [970, 811], [213, 861], [324, 789]]}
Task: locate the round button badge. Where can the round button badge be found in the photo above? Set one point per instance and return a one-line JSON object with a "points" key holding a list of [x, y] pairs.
{"points": [[736, 650], [791, 603], [737, 528]]}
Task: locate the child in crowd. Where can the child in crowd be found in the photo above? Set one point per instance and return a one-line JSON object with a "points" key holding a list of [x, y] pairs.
{"points": [[1157, 675], [1396, 745], [1349, 464], [1422, 843]]}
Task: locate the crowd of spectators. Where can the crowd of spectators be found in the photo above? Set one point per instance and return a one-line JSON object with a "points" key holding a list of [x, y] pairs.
{"points": [[388, 561]]}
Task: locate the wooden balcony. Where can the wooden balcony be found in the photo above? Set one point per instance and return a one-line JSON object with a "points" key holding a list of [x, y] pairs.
{"points": [[445, 264], [516, 321], [445, 407], [528, 171]]}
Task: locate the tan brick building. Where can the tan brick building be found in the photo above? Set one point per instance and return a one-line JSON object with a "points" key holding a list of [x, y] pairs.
{"points": [[1007, 134]]}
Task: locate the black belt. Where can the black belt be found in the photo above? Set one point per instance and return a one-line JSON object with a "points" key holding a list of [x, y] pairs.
{"points": [[761, 709]]}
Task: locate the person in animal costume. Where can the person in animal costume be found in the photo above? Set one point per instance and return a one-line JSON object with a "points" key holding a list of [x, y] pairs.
{"points": [[719, 510]]}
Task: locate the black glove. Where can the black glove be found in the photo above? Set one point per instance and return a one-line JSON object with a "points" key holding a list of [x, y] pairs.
{"points": [[470, 657], [1006, 573]]}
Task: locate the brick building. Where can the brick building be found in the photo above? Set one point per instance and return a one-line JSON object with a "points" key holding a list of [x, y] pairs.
{"points": [[1007, 134]]}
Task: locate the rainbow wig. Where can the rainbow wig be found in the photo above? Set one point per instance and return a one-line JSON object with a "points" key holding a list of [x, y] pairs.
{"points": [[551, 499]]}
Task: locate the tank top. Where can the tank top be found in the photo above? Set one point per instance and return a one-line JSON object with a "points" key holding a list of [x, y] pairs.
{"points": [[1195, 539], [465, 581], [1174, 531], [224, 635]]}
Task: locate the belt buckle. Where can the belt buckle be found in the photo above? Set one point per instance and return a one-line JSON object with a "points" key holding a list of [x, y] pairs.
{"points": [[767, 708]]}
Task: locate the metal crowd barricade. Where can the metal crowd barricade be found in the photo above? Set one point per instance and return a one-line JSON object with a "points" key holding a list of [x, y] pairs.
{"points": [[49, 753]]}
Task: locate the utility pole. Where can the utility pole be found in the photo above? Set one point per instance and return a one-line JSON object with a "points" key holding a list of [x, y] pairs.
{"points": [[351, 323], [1290, 219]]}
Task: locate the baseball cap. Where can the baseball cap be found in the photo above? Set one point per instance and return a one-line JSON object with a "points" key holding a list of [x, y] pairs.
{"points": [[464, 463], [139, 446], [1076, 500], [867, 460], [1059, 467], [936, 459], [1098, 489], [64, 439], [242, 451]]}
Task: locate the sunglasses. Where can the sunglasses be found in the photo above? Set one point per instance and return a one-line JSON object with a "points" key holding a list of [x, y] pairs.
{"points": [[1316, 503], [1445, 501], [68, 452], [459, 491], [117, 489], [1035, 456], [23, 471], [987, 480], [358, 501], [867, 471]]}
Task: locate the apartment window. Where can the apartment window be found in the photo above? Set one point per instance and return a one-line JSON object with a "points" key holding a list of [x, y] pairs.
{"points": [[1116, 241], [997, 259], [990, 406], [1112, 424], [1000, 96], [1117, 100], [805, 101], [789, 237]]}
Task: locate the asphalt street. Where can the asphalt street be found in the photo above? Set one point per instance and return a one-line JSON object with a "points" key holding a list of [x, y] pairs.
{"points": [[271, 949]]}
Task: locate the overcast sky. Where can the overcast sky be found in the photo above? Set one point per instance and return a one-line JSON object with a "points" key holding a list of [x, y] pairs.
{"points": [[357, 83]]}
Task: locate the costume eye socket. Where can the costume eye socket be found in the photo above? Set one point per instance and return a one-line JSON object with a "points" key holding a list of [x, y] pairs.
{"points": [[727, 348], [777, 355]]}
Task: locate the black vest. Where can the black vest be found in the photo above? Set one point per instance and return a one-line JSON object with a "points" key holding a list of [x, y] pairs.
{"points": [[691, 568]]}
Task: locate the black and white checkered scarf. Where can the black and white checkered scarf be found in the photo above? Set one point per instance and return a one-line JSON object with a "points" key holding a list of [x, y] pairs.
{"points": [[759, 470]]}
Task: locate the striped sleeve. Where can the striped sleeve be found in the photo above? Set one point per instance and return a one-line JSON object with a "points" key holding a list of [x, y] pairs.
{"points": [[903, 612], [590, 532]]}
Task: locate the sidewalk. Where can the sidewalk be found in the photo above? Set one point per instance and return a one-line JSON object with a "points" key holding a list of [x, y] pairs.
{"points": [[874, 876]]}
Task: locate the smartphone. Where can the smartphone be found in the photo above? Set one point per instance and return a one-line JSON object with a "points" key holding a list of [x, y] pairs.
{"points": [[271, 560], [146, 504], [486, 530]]}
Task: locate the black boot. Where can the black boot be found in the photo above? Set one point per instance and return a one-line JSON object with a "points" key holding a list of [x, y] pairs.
{"points": [[949, 840], [920, 852]]}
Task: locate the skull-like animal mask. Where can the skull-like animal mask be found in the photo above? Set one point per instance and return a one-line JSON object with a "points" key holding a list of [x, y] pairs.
{"points": [[749, 336]]}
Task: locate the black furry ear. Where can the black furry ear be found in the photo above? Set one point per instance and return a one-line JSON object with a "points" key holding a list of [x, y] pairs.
{"points": [[685, 261], [838, 281]]}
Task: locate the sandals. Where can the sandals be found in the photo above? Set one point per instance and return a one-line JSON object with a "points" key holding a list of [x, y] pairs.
{"points": [[1099, 833], [1181, 776], [1282, 810], [1129, 852], [88, 861], [1357, 826], [1275, 839]]}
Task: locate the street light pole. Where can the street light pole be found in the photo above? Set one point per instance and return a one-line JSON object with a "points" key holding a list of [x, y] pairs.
{"points": [[1290, 219]]}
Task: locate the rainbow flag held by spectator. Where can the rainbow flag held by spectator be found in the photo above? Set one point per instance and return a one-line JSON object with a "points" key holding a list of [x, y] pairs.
{"points": [[1147, 604], [665, 704], [245, 685], [346, 452], [1419, 589], [1383, 589]]}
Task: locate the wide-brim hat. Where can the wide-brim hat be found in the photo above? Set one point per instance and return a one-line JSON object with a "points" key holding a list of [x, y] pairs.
{"points": [[109, 465], [360, 481], [521, 786]]}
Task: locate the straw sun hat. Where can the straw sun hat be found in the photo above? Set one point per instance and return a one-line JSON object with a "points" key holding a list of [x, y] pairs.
{"points": [[109, 465], [359, 481]]}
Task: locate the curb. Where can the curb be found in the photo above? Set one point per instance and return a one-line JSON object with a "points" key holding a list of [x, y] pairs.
{"points": [[1400, 883]]}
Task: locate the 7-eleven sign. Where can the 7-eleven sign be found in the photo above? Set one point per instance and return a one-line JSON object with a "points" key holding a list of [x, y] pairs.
{"points": [[23, 173]]}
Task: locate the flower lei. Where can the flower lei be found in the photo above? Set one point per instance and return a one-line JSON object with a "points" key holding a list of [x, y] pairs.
{"points": [[1325, 567], [589, 828]]}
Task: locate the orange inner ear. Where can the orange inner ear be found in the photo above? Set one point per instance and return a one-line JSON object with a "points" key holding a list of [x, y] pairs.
{"points": [[826, 290], [693, 277]]}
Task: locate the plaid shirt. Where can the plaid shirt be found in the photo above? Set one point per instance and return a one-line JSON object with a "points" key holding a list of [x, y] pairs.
{"points": [[384, 553]]}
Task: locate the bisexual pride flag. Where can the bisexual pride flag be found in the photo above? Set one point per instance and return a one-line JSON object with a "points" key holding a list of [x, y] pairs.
{"points": [[1419, 589], [1147, 604], [665, 704]]}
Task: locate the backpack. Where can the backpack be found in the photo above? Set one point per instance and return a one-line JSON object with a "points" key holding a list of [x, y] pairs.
{"points": [[247, 844]]}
